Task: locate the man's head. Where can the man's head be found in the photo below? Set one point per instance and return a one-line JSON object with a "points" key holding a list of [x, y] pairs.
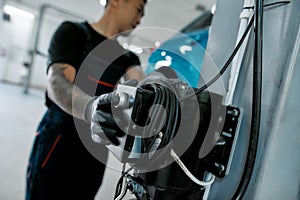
{"points": [[127, 13], [107, 1]]}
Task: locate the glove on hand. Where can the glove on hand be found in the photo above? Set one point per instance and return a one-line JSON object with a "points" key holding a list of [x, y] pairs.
{"points": [[104, 125]]}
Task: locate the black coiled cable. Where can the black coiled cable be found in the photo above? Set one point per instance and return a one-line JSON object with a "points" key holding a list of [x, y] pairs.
{"points": [[165, 130]]}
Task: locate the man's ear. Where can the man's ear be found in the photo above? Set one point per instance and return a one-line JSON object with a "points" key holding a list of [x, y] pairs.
{"points": [[114, 3]]}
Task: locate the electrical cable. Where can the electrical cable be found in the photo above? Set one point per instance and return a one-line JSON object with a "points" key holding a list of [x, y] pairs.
{"points": [[172, 110], [270, 4], [224, 68], [124, 191], [230, 58], [120, 185], [277, 3], [204, 87], [189, 174], [120, 182], [256, 103], [164, 97]]}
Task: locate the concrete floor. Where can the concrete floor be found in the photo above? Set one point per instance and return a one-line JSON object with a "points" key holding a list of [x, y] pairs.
{"points": [[19, 117]]}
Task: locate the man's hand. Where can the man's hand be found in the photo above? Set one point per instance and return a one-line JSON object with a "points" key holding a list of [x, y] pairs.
{"points": [[104, 125], [104, 128]]}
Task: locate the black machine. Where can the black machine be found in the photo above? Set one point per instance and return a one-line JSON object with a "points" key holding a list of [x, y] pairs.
{"points": [[178, 140]]}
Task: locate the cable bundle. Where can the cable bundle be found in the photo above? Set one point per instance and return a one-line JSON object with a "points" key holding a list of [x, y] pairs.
{"points": [[161, 124]]}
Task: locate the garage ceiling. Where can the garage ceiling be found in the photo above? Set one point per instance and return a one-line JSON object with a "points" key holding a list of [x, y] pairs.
{"points": [[164, 16], [171, 14]]}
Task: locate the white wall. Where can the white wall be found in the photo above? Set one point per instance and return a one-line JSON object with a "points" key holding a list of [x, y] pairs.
{"points": [[15, 40]]}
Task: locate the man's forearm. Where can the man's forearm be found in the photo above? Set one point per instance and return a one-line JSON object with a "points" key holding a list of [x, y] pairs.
{"points": [[67, 96]]}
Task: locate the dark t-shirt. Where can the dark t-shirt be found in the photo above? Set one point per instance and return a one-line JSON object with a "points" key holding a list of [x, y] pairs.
{"points": [[99, 62]]}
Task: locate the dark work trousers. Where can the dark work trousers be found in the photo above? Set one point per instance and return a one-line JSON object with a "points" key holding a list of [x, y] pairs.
{"points": [[60, 167]]}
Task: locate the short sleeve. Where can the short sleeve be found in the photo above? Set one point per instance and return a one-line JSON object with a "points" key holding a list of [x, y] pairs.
{"points": [[66, 45]]}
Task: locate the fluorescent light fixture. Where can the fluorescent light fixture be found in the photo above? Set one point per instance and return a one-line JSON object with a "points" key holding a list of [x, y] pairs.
{"points": [[132, 48], [135, 49], [213, 9], [16, 11], [103, 2]]}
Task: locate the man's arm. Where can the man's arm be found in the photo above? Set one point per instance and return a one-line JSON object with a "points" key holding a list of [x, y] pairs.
{"points": [[63, 92]]}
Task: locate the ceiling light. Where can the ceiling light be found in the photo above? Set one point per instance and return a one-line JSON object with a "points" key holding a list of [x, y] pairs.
{"points": [[16, 11], [103, 2], [213, 9], [135, 49]]}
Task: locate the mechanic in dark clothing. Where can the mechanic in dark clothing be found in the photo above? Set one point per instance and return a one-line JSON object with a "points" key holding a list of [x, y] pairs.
{"points": [[60, 166]]}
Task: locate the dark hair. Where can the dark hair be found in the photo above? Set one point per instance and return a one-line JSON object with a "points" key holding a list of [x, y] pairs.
{"points": [[107, 1]]}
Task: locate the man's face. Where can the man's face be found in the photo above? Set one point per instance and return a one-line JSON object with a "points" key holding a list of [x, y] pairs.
{"points": [[130, 14]]}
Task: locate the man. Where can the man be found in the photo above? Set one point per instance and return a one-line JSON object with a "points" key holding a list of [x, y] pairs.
{"points": [[60, 167]]}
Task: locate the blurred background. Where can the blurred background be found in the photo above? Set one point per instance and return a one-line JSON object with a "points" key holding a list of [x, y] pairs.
{"points": [[25, 30], [22, 32]]}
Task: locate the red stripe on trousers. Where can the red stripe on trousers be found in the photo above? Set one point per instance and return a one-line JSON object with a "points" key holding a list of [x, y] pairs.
{"points": [[51, 150]]}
